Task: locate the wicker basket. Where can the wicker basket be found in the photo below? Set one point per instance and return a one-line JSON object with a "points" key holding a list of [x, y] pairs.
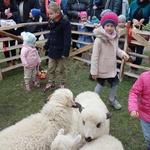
{"points": [[42, 74]]}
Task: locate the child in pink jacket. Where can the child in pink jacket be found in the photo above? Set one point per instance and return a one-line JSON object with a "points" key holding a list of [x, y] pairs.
{"points": [[30, 59], [139, 103]]}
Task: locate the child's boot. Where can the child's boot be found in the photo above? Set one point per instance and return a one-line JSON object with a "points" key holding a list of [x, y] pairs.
{"points": [[27, 86], [36, 83], [115, 104], [63, 86]]}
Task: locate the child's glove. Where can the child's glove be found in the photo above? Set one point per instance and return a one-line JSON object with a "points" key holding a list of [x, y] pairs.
{"points": [[43, 50]]}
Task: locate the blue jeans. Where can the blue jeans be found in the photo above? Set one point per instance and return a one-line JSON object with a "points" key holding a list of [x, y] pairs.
{"points": [[146, 130]]}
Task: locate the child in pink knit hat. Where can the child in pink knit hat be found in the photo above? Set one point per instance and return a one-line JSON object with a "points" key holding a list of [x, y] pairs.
{"points": [[103, 61], [84, 38]]}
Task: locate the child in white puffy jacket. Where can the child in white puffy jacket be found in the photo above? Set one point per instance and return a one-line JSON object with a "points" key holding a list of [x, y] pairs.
{"points": [[30, 59]]}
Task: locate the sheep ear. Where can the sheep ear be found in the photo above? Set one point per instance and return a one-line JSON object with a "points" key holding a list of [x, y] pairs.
{"points": [[77, 139], [70, 103], [108, 115], [60, 132]]}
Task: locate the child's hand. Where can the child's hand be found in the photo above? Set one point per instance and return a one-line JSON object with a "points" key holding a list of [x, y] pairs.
{"points": [[84, 23], [43, 50], [134, 114], [125, 56], [96, 25], [94, 77]]}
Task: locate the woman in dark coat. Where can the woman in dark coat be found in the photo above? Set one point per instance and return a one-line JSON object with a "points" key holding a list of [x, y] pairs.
{"points": [[138, 13], [115, 6], [96, 7], [74, 7], [9, 10]]}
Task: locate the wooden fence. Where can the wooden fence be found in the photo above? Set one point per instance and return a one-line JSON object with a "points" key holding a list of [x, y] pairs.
{"points": [[136, 34]]}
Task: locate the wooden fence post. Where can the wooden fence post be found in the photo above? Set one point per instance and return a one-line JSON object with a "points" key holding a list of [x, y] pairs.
{"points": [[125, 49]]}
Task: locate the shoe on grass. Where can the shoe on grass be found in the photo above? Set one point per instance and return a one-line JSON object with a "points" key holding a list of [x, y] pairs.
{"points": [[115, 104], [62, 86], [27, 86], [49, 87], [36, 84]]}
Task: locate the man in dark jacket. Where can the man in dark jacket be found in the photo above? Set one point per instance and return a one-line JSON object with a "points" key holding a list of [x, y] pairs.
{"points": [[115, 6]]}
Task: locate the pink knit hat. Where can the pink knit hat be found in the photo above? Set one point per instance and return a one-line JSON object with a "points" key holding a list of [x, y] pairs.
{"points": [[83, 13], [109, 17]]}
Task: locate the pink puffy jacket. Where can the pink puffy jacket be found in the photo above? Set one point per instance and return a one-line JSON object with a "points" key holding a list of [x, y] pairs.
{"points": [[29, 56], [139, 96]]}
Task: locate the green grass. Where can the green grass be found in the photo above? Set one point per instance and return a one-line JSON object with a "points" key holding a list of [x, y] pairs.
{"points": [[16, 103]]}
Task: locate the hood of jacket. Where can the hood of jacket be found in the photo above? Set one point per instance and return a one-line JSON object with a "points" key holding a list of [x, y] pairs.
{"points": [[98, 34]]}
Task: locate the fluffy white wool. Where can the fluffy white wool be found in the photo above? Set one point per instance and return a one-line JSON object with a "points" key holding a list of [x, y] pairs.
{"points": [[37, 131], [94, 116], [65, 142], [106, 142]]}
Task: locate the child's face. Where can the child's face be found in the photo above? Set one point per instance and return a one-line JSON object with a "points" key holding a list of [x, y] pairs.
{"points": [[121, 24], [109, 28], [84, 18], [52, 14], [30, 15]]}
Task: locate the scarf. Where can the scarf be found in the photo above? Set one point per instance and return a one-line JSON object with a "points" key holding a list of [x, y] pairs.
{"points": [[57, 19], [109, 36]]}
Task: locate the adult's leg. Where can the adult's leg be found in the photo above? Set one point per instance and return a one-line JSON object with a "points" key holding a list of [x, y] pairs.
{"points": [[138, 60]]}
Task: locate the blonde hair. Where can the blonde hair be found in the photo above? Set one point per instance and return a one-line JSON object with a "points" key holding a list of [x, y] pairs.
{"points": [[54, 6]]}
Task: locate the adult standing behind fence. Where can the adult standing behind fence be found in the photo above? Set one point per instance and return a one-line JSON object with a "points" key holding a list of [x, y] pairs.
{"points": [[74, 7], [138, 14], [125, 6], [96, 7], [115, 6], [9, 10]]}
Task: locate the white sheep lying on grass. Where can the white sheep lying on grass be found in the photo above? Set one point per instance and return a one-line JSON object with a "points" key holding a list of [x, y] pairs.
{"points": [[37, 131], [95, 116], [68, 142]]}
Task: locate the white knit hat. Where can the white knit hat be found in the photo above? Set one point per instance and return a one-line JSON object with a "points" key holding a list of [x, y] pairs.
{"points": [[29, 38]]}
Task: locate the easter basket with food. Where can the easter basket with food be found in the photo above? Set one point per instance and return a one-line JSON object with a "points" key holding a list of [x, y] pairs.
{"points": [[41, 73]]}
